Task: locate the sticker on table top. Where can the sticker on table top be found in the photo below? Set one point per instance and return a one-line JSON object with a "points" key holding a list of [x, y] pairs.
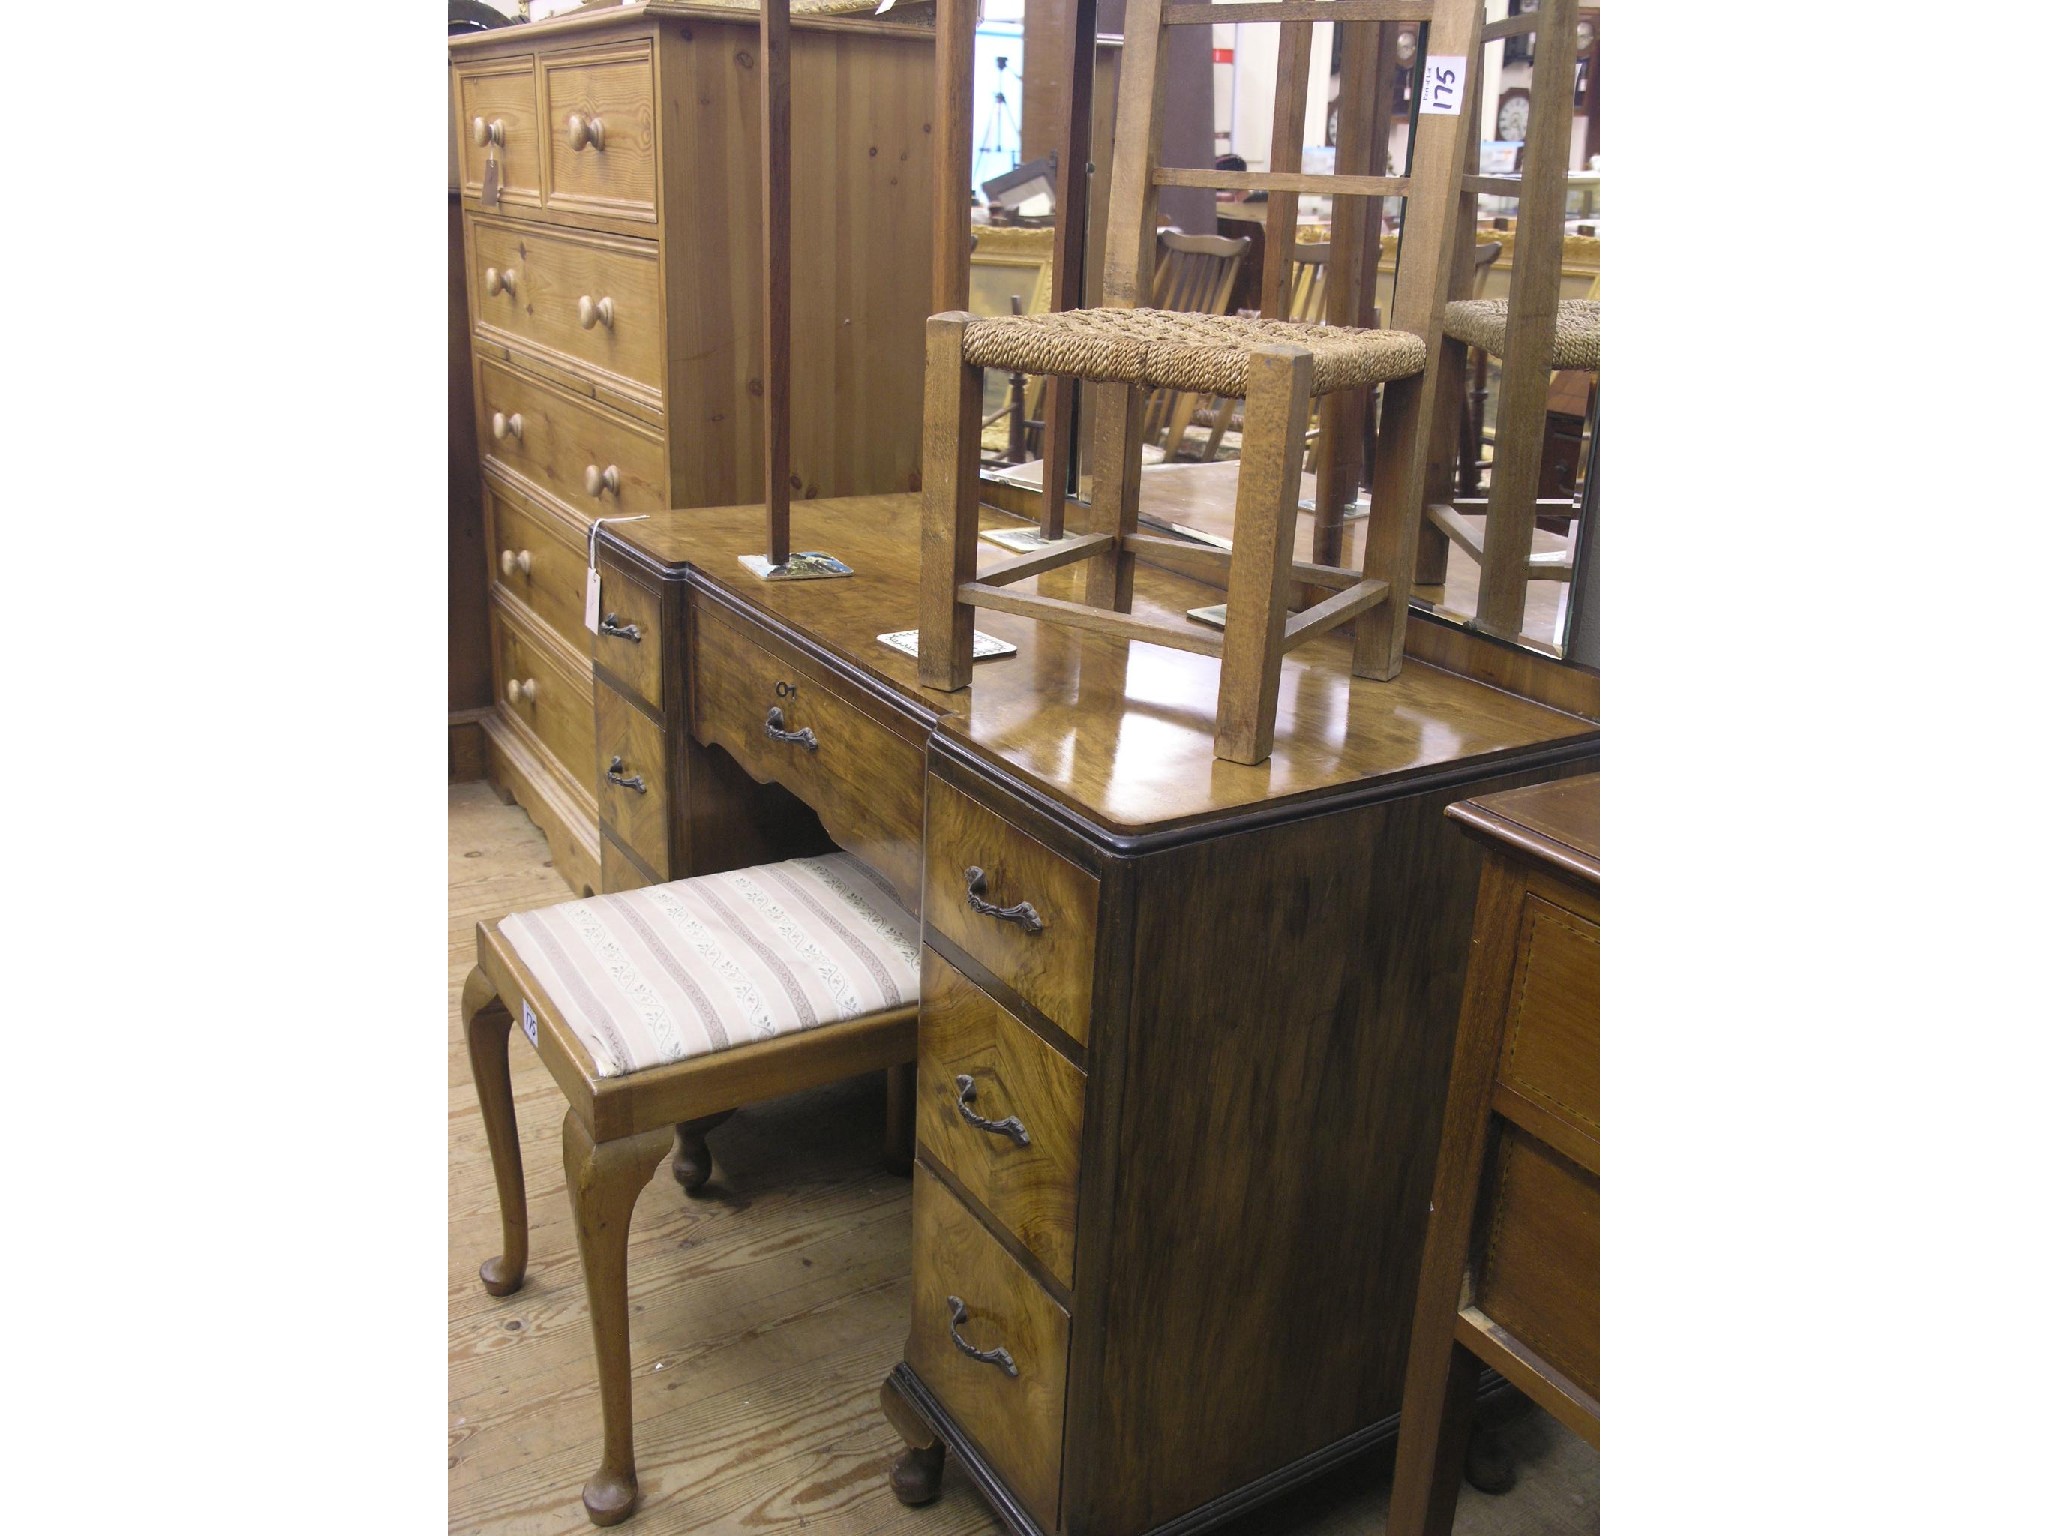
{"points": [[1025, 541], [1442, 88], [809, 565], [985, 646], [529, 1023]]}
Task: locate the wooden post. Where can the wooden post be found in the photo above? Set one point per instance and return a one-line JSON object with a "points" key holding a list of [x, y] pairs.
{"points": [[775, 299], [1070, 234], [952, 152], [952, 505]]}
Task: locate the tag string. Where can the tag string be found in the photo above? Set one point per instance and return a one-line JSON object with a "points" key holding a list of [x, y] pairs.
{"points": [[598, 522]]}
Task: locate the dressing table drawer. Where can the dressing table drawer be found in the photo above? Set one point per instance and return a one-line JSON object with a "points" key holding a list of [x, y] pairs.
{"points": [[536, 686], [865, 782], [600, 122], [1550, 1043], [632, 778], [1017, 1419], [1020, 1153], [498, 99], [539, 286], [596, 462], [629, 643], [1029, 917], [536, 557]]}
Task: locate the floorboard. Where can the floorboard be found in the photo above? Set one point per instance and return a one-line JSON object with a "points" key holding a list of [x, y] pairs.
{"points": [[765, 1314]]}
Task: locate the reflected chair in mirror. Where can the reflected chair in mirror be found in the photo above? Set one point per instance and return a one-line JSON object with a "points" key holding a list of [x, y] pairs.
{"points": [[1307, 304], [1276, 367], [1194, 275], [1533, 331]]}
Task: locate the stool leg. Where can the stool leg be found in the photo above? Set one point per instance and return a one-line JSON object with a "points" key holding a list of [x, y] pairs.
{"points": [[605, 1179], [693, 1153], [487, 1024], [1268, 485], [899, 1134], [951, 507], [1432, 544], [1113, 502], [1430, 1457]]}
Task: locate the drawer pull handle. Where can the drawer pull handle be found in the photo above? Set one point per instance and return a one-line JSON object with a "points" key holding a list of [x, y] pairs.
{"points": [[1024, 915], [999, 1357], [597, 481], [518, 689], [584, 131], [779, 731], [522, 561], [503, 426], [482, 133], [616, 775], [496, 282], [610, 625], [1009, 1125], [594, 311]]}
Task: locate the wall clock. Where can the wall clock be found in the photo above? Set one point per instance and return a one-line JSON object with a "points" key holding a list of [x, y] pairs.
{"points": [[1512, 119]]}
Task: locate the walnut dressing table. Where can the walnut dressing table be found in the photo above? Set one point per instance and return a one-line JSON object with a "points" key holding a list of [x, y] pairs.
{"points": [[1186, 1025]]}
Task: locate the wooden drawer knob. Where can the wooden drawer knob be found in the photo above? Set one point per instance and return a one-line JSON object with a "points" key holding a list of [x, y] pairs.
{"points": [[594, 311], [522, 562], [597, 481], [520, 688], [503, 426], [496, 282], [586, 130], [483, 133]]}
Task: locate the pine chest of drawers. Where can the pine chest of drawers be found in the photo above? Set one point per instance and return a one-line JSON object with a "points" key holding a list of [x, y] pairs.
{"points": [[610, 167]]}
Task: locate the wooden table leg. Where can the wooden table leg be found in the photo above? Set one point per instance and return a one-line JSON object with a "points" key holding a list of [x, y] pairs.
{"points": [[914, 1479], [487, 1024], [605, 1179]]}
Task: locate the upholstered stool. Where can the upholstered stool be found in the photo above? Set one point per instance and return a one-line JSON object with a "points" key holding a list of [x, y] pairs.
{"points": [[661, 1010]]}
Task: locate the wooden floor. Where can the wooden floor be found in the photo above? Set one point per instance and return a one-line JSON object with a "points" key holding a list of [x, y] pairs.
{"points": [[764, 1316]]}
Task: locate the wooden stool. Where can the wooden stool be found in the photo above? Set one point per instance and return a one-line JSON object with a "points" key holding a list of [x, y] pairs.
{"points": [[660, 1011]]}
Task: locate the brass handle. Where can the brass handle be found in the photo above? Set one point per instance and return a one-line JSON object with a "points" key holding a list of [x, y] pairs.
{"points": [[1024, 915], [997, 1356], [496, 282], [1009, 1125], [522, 562], [777, 730], [610, 625], [594, 311], [503, 426], [482, 133], [616, 775], [518, 689], [596, 482], [584, 131]]}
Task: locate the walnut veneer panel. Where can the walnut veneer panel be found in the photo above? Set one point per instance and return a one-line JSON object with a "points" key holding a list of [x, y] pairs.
{"points": [[1538, 1274]]}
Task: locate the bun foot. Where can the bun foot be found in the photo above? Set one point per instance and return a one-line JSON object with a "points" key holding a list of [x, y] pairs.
{"points": [[610, 1496], [693, 1152], [1489, 1465], [915, 1477], [501, 1278]]}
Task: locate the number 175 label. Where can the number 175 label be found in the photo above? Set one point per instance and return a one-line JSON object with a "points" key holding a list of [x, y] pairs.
{"points": [[1442, 88]]}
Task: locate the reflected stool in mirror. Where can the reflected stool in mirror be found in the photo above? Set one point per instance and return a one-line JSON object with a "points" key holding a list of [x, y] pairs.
{"points": [[660, 1011]]}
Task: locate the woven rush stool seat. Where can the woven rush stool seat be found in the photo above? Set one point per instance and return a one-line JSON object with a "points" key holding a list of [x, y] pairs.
{"points": [[1167, 349], [658, 1012], [1483, 323], [667, 972]]}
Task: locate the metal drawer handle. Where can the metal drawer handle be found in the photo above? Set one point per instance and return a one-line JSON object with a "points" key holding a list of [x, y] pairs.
{"points": [[778, 731], [616, 775], [999, 1357], [1024, 915], [610, 625], [1009, 1125]]}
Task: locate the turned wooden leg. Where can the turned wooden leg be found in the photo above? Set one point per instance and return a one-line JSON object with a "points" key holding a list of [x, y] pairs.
{"points": [[914, 1479], [605, 1179], [488, 1025], [1276, 410], [951, 508], [899, 1133], [693, 1153]]}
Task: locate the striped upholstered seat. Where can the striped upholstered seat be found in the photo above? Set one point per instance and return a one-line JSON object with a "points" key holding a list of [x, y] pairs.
{"points": [[668, 972]]}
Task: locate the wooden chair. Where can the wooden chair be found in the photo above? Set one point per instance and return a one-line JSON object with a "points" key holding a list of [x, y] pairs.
{"points": [[1194, 275], [1308, 294], [659, 1011], [1276, 367], [1533, 331]]}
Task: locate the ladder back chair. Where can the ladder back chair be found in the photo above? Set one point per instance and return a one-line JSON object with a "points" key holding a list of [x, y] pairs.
{"points": [[1194, 275], [1308, 295], [1276, 367], [1533, 332]]}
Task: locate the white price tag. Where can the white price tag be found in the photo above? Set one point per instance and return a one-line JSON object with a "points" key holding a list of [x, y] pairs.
{"points": [[590, 588], [529, 1023], [1442, 87]]}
